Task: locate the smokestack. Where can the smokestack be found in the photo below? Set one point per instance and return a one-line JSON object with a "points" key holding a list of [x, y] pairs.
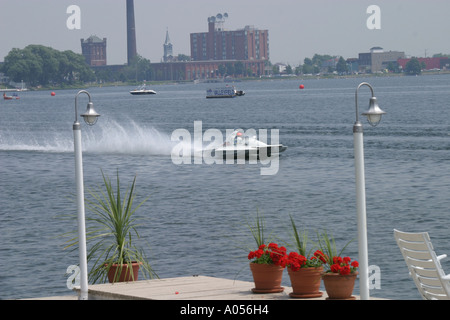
{"points": [[131, 31]]}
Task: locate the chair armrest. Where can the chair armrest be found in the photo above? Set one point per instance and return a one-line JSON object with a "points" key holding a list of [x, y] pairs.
{"points": [[442, 256]]}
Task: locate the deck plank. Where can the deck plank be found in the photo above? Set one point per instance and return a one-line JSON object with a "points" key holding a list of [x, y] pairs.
{"points": [[181, 288]]}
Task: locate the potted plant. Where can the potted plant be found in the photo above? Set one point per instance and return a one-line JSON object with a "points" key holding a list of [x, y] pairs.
{"points": [[267, 262], [339, 278], [112, 232], [267, 265], [304, 270]]}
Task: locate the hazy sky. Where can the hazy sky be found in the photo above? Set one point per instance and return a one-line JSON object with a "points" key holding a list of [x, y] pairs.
{"points": [[297, 28]]}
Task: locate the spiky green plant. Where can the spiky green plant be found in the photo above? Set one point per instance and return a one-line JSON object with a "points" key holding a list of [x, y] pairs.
{"points": [[112, 230], [327, 245], [300, 239], [257, 230]]}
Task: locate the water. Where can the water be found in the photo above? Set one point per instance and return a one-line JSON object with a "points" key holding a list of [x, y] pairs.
{"points": [[195, 220]]}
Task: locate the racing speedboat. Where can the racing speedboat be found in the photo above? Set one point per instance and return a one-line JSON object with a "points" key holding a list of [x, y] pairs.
{"points": [[237, 145]]}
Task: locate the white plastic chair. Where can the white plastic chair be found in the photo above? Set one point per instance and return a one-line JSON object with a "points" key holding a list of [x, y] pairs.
{"points": [[423, 264]]}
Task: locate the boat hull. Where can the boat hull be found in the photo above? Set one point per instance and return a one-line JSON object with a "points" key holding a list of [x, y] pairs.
{"points": [[142, 93], [247, 154]]}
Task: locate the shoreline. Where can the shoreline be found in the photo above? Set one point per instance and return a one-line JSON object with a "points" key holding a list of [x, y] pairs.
{"points": [[234, 80]]}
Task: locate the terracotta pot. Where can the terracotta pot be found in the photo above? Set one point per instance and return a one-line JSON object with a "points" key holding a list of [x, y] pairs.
{"points": [[306, 282], [267, 278], [338, 286], [125, 275]]}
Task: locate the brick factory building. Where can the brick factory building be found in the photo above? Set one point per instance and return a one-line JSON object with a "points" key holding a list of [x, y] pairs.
{"points": [[219, 44], [217, 49], [94, 51], [430, 63], [193, 70]]}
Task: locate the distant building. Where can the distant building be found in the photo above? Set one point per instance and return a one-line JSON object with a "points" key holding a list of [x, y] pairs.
{"points": [[168, 49], [214, 52], [430, 63], [377, 59], [219, 44], [208, 70], [279, 67], [329, 64], [352, 65], [94, 51]]}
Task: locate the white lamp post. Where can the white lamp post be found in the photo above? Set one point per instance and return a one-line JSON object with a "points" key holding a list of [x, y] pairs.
{"points": [[90, 117], [374, 117]]}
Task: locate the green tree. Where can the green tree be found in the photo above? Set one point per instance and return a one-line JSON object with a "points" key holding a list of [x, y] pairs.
{"points": [[138, 70], [413, 67], [308, 66], [239, 68], [183, 57], [289, 69], [222, 70], [341, 66], [230, 68], [40, 65]]}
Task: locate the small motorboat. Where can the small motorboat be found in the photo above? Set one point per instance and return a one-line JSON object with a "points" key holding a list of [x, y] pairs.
{"points": [[240, 146], [14, 96], [142, 90]]}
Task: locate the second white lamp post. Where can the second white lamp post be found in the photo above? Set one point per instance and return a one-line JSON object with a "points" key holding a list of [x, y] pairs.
{"points": [[373, 114]]}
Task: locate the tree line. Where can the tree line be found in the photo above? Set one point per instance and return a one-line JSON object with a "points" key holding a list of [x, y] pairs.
{"points": [[315, 65], [39, 65]]}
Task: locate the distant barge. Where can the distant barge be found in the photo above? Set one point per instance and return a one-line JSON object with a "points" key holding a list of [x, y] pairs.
{"points": [[225, 92]]}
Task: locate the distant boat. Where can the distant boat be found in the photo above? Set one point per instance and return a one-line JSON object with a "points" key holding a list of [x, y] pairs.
{"points": [[142, 90], [224, 92], [14, 96]]}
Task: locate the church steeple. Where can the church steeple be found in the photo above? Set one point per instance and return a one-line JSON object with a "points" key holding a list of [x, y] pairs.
{"points": [[168, 53]]}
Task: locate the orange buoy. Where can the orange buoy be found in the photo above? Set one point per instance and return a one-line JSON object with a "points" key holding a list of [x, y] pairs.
{"points": [[301, 86], [53, 94]]}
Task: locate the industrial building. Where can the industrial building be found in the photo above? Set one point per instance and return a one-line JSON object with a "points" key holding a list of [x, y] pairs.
{"points": [[377, 59], [211, 51], [94, 51], [429, 63], [218, 43]]}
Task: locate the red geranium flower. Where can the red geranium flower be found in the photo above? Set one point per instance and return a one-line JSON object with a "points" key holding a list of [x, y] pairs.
{"points": [[269, 254], [343, 266]]}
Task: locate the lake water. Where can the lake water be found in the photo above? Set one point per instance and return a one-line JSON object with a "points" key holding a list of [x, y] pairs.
{"points": [[195, 220]]}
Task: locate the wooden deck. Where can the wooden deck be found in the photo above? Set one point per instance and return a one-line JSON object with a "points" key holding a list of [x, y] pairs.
{"points": [[184, 288]]}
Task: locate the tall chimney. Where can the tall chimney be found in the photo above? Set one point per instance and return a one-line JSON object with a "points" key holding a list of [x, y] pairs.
{"points": [[131, 32]]}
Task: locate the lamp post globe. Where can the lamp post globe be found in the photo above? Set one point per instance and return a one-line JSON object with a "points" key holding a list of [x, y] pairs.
{"points": [[90, 116]]}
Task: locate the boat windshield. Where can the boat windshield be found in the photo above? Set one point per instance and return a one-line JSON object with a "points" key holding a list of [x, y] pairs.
{"points": [[235, 138]]}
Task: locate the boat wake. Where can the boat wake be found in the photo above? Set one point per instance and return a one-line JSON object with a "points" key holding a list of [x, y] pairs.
{"points": [[105, 138], [130, 139]]}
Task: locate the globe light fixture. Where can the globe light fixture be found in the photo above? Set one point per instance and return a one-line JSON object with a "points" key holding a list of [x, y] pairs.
{"points": [[374, 112]]}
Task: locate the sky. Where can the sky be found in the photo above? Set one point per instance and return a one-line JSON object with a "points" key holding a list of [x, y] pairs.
{"points": [[298, 29]]}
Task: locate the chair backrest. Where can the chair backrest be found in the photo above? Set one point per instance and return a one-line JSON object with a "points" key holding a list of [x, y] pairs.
{"points": [[423, 264]]}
